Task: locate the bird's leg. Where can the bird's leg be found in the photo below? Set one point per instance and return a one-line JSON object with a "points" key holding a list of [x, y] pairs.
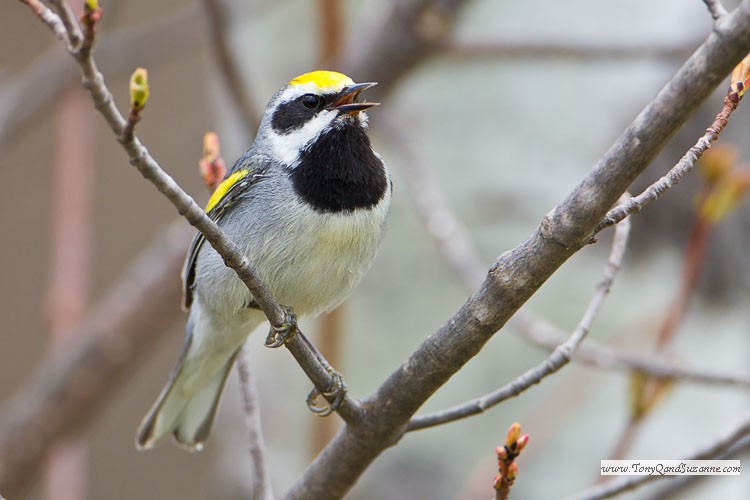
{"points": [[279, 335]]}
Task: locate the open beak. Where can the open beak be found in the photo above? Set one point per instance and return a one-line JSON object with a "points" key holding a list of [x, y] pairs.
{"points": [[344, 101]]}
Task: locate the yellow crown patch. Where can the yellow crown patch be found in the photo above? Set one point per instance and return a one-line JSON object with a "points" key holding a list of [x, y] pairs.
{"points": [[324, 80]]}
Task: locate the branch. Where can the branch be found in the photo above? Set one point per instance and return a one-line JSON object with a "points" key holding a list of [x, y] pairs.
{"points": [[51, 19], [518, 273], [261, 480], [544, 334], [716, 9], [559, 358], [676, 173], [398, 37], [717, 446], [71, 384]]}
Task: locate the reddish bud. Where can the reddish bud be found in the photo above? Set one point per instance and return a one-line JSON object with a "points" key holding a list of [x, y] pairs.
{"points": [[521, 443]]}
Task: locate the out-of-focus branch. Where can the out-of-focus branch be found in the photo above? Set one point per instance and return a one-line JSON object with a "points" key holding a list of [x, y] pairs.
{"points": [[465, 50], [559, 358], [717, 446], [261, 478], [715, 8], [402, 34], [228, 69], [70, 267], [544, 334], [72, 383]]}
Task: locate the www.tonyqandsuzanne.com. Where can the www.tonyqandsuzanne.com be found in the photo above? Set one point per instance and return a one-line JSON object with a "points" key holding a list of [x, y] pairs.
{"points": [[670, 467]]}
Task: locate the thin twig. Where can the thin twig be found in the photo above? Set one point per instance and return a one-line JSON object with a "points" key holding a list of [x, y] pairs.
{"points": [[261, 480], [559, 358], [717, 446], [51, 19], [542, 333], [716, 9], [69, 21], [676, 173]]}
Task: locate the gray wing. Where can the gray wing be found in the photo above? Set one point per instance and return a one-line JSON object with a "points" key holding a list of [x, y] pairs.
{"points": [[233, 195]]}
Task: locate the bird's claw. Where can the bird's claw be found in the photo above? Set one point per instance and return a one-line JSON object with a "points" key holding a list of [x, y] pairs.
{"points": [[332, 398], [279, 335]]}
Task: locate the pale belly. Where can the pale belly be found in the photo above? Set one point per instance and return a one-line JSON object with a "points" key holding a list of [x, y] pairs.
{"points": [[311, 262]]}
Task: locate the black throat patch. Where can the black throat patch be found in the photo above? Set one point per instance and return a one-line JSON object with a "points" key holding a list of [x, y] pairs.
{"points": [[340, 172]]}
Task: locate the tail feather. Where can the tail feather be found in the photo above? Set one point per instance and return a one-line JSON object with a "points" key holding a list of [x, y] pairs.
{"points": [[187, 405], [197, 417], [162, 416]]}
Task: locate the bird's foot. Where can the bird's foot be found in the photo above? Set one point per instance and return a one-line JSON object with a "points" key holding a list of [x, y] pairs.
{"points": [[332, 398], [279, 335]]}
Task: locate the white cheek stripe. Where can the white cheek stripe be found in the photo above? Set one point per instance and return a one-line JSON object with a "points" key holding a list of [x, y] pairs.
{"points": [[286, 147]]}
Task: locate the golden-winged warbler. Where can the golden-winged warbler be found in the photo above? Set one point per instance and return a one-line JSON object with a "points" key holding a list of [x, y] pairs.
{"points": [[308, 205]]}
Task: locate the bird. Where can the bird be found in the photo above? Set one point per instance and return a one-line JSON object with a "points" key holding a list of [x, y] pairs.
{"points": [[308, 204]]}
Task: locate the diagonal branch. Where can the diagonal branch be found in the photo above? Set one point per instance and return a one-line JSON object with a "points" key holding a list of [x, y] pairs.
{"points": [[519, 272], [559, 358], [716, 9]]}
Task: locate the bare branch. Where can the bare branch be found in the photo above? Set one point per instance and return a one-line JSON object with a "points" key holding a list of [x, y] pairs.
{"points": [[52, 20], [261, 479], [716, 9], [676, 173], [559, 358], [717, 446], [403, 34], [72, 28], [542, 333], [519, 272]]}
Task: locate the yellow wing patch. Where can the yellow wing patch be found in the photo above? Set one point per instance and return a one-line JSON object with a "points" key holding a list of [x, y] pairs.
{"points": [[225, 186], [324, 80]]}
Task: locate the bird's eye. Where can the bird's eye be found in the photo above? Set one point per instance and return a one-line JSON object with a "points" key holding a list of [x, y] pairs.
{"points": [[310, 101]]}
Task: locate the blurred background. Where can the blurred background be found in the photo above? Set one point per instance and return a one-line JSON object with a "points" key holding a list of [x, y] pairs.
{"points": [[491, 113]]}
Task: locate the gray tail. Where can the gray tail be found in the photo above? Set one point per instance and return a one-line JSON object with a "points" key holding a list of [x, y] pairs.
{"points": [[187, 414]]}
